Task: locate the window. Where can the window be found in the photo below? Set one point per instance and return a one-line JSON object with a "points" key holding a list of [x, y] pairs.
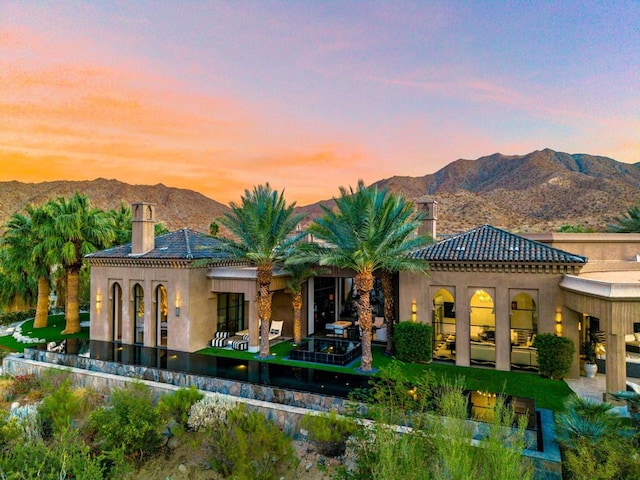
{"points": [[138, 308], [116, 312], [162, 311], [230, 312]]}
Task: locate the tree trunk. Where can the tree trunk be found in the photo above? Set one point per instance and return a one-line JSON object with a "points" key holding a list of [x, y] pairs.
{"points": [[296, 301], [264, 274], [72, 313], [42, 307], [389, 310], [364, 284]]}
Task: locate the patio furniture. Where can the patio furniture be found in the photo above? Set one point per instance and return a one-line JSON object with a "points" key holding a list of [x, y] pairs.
{"points": [[221, 339], [240, 344], [276, 330]]}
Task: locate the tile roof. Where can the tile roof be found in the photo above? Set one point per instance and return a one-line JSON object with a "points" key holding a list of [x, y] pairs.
{"points": [[491, 244], [182, 244]]}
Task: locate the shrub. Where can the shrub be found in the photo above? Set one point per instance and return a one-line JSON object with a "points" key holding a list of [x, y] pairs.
{"points": [[176, 405], [247, 446], [67, 458], [209, 411], [130, 422], [23, 384], [413, 342], [26, 418], [329, 432], [61, 407], [555, 355]]}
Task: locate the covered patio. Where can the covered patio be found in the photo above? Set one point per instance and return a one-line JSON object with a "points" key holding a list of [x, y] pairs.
{"points": [[613, 298]]}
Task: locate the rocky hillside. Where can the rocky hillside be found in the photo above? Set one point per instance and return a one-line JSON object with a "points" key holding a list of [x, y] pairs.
{"points": [[539, 191], [536, 192], [177, 208]]}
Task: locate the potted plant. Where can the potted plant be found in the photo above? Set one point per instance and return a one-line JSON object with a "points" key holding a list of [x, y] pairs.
{"points": [[590, 366]]}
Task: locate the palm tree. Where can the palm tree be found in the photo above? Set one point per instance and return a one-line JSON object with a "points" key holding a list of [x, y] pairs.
{"points": [[300, 273], [629, 222], [369, 230], [77, 229], [121, 224], [25, 254], [262, 227]]}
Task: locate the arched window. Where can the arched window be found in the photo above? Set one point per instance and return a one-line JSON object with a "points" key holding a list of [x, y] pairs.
{"points": [[138, 308], [482, 331], [524, 327], [162, 311], [116, 312], [444, 326]]}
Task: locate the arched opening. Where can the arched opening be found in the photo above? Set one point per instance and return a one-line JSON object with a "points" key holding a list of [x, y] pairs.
{"points": [[524, 327], [116, 312], [138, 309], [162, 312], [444, 326], [482, 334]]}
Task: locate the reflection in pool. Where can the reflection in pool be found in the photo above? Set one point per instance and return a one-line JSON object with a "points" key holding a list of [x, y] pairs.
{"points": [[326, 350]]}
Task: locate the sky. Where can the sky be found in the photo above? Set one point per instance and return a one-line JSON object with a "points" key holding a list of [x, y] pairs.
{"points": [[309, 96]]}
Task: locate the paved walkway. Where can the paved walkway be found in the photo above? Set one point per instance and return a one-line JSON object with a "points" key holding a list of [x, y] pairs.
{"points": [[594, 389]]}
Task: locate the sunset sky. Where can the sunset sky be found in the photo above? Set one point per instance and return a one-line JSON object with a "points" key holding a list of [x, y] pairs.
{"points": [[308, 95]]}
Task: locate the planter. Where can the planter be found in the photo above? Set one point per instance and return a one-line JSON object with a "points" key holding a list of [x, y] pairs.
{"points": [[590, 369]]}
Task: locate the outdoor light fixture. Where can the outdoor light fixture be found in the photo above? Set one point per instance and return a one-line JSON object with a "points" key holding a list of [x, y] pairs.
{"points": [[558, 323], [414, 311], [177, 305], [98, 300]]}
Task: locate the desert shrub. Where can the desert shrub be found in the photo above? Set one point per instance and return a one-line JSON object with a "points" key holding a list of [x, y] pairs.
{"points": [[413, 342], [130, 422], [209, 411], [10, 431], [67, 458], [555, 355], [26, 417], [52, 378], [611, 458], [23, 384], [176, 405], [61, 407], [247, 446], [329, 432]]}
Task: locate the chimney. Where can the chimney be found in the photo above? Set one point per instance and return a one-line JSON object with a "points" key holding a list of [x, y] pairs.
{"points": [[143, 217], [429, 208]]}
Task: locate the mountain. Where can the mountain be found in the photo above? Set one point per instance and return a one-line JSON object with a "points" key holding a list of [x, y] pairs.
{"points": [[539, 191], [177, 208]]}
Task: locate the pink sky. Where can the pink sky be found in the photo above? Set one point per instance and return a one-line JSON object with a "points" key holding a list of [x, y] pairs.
{"points": [[220, 96]]}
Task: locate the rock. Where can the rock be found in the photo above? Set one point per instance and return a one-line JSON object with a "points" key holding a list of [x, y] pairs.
{"points": [[308, 466], [14, 405], [182, 468]]}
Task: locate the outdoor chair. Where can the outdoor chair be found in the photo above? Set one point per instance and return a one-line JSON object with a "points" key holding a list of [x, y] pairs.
{"points": [[276, 330], [221, 339]]}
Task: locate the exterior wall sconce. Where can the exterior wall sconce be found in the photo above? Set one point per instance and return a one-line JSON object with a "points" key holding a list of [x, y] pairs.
{"points": [[177, 305], [559, 324], [98, 300], [414, 311]]}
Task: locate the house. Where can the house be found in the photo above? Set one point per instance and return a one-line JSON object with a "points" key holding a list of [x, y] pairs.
{"points": [[489, 293]]}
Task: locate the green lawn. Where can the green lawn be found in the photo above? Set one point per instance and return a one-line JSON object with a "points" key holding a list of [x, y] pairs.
{"points": [[547, 393], [52, 332]]}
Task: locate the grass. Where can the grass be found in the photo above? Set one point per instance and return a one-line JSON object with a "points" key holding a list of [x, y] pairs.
{"points": [[52, 332], [551, 394]]}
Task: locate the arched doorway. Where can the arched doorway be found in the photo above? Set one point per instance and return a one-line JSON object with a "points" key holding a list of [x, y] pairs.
{"points": [[444, 326], [482, 324], [524, 327], [138, 309], [162, 312], [116, 312]]}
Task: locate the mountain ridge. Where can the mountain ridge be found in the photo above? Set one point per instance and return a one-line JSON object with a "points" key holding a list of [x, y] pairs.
{"points": [[526, 193]]}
